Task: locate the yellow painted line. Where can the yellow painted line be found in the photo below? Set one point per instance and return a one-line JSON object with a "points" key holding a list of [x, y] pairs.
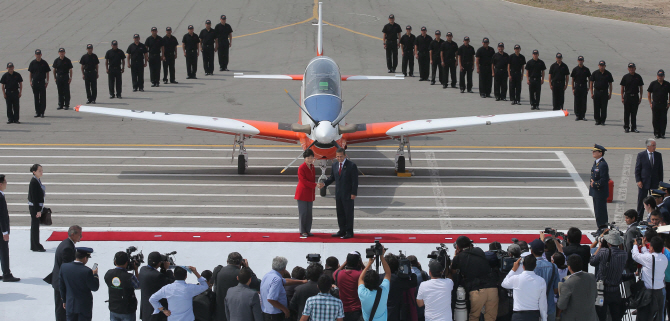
{"points": [[273, 29], [356, 32]]}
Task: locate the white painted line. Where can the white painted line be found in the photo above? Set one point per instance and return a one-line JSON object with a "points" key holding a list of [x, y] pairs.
{"points": [[278, 166], [224, 158], [226, 149], [622, 191], [291, 176], [438, 193], [221, 217], [577, 179], [294, 185]]}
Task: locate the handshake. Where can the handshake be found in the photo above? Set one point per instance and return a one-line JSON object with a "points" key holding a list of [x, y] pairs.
{"points": [[320, 185]]}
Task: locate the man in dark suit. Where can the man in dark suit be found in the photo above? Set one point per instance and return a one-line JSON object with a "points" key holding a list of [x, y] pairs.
{"points": [[648, 173], [577, 293], [225, 277], [64, 254], [151, 280], [599, 189], [76, 282], [4, 228], [630, 217], [345, 175]]}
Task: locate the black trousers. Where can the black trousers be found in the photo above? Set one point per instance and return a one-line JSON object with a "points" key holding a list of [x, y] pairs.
{"points": [[642, 193], [345, 214], [4, 256], [600, 209], [40, 94], [91, 84], [654, 310], [79, 317], [273, 317], [466, 74], [659, 118], [137, 74], [63, 89], [485, 80], [581, 97], [525, 315], [630, 105], [437, 68], [224, 51], [391, 55], [612, 302], [408, 61], [500, 84], [208, 59], [515, 86], [168, 66], [155, 68], [600, 99], [35, 228], [191, 62], [60, 311], [114, 79], [353, 316], [535, 90], [558, 95], [13, 107], [424, 65], [450, 69]]}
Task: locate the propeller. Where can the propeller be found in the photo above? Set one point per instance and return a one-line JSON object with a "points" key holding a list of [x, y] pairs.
{"points": [[303, 109], [339, 119], [291, 163]]}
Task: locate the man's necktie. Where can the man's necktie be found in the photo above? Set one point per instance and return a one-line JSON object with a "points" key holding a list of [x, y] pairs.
{"points": [[651, 159], [340, 171]]}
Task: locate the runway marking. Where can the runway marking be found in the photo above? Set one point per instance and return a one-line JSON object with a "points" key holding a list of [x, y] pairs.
{"points": [[291, 177], [577, 179], [276, 150], [294, 185], [622, 191], [225, 158], [438, 193], [295, 218], [356, 32]]}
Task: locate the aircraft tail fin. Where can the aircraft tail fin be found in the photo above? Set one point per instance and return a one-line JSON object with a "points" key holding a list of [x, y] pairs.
{"points": [[319, 39]]}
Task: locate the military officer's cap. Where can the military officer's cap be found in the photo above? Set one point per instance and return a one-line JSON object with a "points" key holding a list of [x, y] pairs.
{"points": [[223, 17], [408, 27], [535, 52], [10, 65], [168, 29], [136, 36], [559, 55], [154, 29], [485, 40], [517, 47], [466, 39], [208, 22], [38, 52], [598, 148], [437, 32], [631, 65], [89, 46], [500, 44], [657, 193], [61, 49], [423, 29], [84, 250], [190, 26], [449, 34], [601, 63], [580, 58], [661, 73], [664, 186], [391, 16], [115, 43]]}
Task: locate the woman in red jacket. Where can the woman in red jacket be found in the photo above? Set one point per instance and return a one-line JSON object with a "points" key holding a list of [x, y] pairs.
{"points": [[304, 193]]}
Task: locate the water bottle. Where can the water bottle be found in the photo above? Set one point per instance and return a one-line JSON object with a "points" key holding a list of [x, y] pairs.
{"points": [[600, 286], [461, 310]]}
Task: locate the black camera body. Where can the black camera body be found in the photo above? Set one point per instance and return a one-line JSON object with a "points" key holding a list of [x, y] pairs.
{"points": [[612, 229], [376, 250], [554, 233], [441, 255], [134, 261], [169, 257], [313, 258], [404, 266]]}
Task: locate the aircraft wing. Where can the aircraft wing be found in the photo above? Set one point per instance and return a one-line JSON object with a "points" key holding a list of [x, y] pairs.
{"points": [[258, 129], [299, 77], [389, 130]]}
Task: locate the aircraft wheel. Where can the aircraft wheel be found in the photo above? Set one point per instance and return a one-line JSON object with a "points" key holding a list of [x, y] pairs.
{"points": [[241, 164], [401, 164]]}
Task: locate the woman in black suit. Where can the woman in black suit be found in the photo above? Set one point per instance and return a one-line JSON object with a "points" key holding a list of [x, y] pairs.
{"points": [[36, 192]]}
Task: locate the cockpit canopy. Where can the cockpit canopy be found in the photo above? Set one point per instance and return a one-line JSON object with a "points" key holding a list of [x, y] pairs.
{"points": [[322, 76]]}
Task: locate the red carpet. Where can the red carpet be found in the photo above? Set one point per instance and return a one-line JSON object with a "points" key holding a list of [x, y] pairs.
{"points": [[292, 237]]}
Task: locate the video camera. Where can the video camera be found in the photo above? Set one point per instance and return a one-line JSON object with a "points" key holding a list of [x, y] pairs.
{"points": [[376, 250], [313, 258], [169, 257], [134, 261], [641, 230], [612, 229], [441, 255], [554, 233]]}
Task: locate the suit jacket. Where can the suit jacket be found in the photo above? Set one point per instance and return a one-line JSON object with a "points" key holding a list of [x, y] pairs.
{"points": [[600, 174], [645, 173], [204, 305], [628, 239], [152, 280], [76, 283], [225, 278], [346, 184], [35, 192], [306, 183], [302, 293], [4, 215], [577, 296], [64, 254], [243, 304]]}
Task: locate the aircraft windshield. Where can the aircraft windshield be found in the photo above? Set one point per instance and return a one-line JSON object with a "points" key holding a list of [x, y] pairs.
{"points": [[322, 77]]}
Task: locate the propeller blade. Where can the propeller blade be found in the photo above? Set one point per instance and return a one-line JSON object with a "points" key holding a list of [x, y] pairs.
{"points": [[291, 163], [303, 109], [339, 119]]}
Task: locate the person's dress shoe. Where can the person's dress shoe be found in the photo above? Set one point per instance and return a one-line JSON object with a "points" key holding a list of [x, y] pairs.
{"points": [[9, 122], [112, 96], [141, 89], [189, 77], [158, 84], [194, 77], [636, 131], [59, 108], [17, 122], [444, 86], [40, 250], [576, 119], [518, 102], [503, 99], [153, 85], [347, 236], [602, 123], [597, 123], [165, 82], [462, 91], [626, 130], [134, 89], [303, 235], [226, 69], [338, 234], [38, 115], [66, 108], [432, 82], [310, 234], [220, 69], [42, 115], [470, 91], [411, 74], [173, 82], [10, 278], [497, 99], [88, 101], [118, 96]]}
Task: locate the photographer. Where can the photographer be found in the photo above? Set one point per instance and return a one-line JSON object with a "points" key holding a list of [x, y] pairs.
{"points": [[225, 277], [529, 291], [551, 244], [400, 284], [153, 277], [632, 232], [574, 247], [653, 273], [549, 272], [435, 294], [179, 295], [479, 283], [610, 262], [307, 290], [122, 285], [373, 295], [346, 279]]}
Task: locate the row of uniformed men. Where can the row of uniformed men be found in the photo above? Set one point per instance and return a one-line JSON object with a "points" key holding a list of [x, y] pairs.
{"points": [[154, 51]]}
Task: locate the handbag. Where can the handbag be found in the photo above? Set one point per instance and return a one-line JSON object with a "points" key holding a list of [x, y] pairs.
{"points": [[45, 218], [641, 296]]}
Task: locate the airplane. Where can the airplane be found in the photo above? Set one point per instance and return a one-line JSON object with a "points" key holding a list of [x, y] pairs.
{"points": [[321, 125]]}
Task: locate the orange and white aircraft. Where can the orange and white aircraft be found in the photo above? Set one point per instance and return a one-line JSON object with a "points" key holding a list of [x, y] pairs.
{"points": [[321, 126]]}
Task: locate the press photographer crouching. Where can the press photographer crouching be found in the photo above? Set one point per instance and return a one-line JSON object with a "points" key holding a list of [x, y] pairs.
{"points": [[153, 276], [609, 260], [471, 265], [122, 285]]}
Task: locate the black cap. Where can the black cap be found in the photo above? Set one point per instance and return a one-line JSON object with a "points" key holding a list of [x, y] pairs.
{"points": [[38, 52], [9, 65], [663, 186], [115, 43], [120, 258], [449, 34], [660, 73], [517, 47], [423, 29], [61, 49], [208, 22], [631, 65], [408, 27], [485, 40], [168, 29], [155, 257], [599, 148], [190, 26], [223, 17], [535, 52], [89, 46], [466, 38], [84, 250], [657, 193], [500, 44], [391, 16], [580, 58], [559, 55], [437, 32], [602, 63], [154, 29], [136, 36]]}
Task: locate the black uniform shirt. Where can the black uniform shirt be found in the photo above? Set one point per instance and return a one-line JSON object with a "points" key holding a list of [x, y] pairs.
{"points": [[581, 75], [89, 62], [558, 73], [154, 45], [467, 54], [222, 31], [435, 47], [601, 80], [11, 81], [62, 66], [422, 43], [449, 50], [632, 83], [392, 31], [659, 92], [535, 68], [190, 41], [516, 63], [207, 37], [500, 62], [136, 51], [408, 43], [485, 56], [39, 69], [115, 58], [170, 43]]}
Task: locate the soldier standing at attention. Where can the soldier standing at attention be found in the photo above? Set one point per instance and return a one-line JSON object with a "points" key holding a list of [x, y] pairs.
{"points": [[137, 54], [580, 87], [391, 32], [601, 92], [89, 69], [632, 88], [170, 44], [62, 69], [517, 61], [435, 60], [224, 34], [449, 62], [599, 188], [407, 49], [558, 81], [535, 78], [208, 45], [38, 71], [500, 73], [12, 86], [657, 94], [115, 67], [466, 59], [484, 58], [154, 44], [421, 48], [190, 43]]}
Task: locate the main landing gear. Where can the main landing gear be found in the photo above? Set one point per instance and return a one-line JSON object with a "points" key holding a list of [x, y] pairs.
{"points": [[400, 154], [242, 157], [323, 164]]}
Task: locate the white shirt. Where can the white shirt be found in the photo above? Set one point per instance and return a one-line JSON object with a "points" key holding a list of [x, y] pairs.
{"points": [[598, 160], [530, 291], [436, 295], [645, 259], [180, 299]]}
